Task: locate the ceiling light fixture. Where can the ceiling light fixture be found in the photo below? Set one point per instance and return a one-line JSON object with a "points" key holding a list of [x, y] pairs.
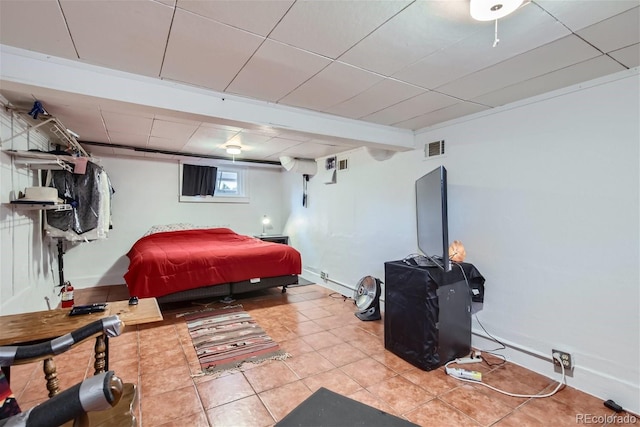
{"points": [[234, 149], [492, 10]]}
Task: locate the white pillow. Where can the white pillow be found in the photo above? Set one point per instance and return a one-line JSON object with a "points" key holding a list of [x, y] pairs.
{"points": [[169, 227]]}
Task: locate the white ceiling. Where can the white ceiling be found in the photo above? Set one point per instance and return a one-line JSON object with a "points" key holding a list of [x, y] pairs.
{"points": [[365, 67]]}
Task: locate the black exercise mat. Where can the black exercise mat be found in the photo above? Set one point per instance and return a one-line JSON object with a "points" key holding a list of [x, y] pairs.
{"points": [[325, 408]]}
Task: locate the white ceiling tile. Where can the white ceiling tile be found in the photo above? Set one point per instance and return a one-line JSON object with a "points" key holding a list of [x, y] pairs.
{"points": [[455, 111], [275, 70], [309, 150], [248, 138], [116, 122], [167, 144], [525, 30], [614, 33], [336, 83], [578, 73], [103, 31], [580, 14], [173, 130], [422, 28], [205, 53], [258, 17], [629, 56], [331, 27], [542, 60], [405, 110], [126, 138], [37, 26], [378, 97], [209, 136]]}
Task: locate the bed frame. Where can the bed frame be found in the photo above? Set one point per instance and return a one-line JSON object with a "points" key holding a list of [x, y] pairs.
{"points": [[228, 289]]}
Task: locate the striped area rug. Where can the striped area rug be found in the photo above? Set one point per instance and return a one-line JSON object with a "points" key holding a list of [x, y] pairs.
{"points": [[228, 337]]}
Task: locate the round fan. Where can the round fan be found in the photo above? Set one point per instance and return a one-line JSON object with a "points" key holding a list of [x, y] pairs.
{"points": [[367, 298]]}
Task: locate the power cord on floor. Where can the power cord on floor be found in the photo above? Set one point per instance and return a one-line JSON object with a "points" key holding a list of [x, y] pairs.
{"points": [[338, 295], [491, 352], [476, 378]]}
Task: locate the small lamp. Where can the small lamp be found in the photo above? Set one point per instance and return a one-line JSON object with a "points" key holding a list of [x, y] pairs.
{"points": [[265, 221]]}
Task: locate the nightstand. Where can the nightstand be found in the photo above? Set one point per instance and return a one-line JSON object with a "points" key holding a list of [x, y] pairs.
{"points": [[274, 238]]}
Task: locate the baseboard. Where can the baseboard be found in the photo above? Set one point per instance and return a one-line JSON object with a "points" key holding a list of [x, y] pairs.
{"points": [[585, 379]]}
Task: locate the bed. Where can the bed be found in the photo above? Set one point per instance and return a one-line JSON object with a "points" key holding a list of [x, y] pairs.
{"points": [[185, 264]]}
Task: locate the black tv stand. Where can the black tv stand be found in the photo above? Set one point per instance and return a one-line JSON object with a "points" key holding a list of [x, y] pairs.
{"points": [[427, 316]]}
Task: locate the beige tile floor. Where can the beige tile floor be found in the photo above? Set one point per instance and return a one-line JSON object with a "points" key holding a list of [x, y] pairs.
{"points": [[330, 348]]}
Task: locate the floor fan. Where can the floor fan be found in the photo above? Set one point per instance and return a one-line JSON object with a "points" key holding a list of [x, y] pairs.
{"points": [[367, 298]]}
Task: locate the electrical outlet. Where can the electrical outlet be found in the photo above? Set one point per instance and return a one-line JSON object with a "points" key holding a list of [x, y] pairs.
{"points": [[324, 275], [565, 357]]}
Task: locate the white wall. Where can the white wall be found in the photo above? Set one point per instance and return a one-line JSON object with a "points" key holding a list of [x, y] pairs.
{"points": [[26, 276], [146, 194], [544, 195]]}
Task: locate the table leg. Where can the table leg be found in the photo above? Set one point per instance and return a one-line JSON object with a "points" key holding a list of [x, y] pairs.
{"points": [[51, 376], [100, 350]]}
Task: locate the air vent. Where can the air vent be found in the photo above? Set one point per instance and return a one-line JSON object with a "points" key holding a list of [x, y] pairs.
{"points": [[434, 149], [343, 164]]}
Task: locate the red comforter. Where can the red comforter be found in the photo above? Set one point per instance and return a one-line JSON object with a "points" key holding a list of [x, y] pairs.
{"points": [[164, 263]]}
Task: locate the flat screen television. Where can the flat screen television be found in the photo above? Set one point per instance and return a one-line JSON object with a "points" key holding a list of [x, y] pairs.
{"points": [[431, 213]]}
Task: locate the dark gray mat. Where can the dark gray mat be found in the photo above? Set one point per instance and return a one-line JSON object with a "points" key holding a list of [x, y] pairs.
{"points": [[325, 408]]}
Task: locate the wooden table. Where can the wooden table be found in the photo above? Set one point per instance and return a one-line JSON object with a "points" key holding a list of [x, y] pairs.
{"points": [[37, 326]]}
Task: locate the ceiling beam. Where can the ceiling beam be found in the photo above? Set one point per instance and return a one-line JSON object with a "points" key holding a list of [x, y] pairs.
{"points": [[21, 67]]}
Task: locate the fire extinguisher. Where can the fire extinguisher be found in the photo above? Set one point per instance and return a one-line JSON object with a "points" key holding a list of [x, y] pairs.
{"points": [[67, 295]]}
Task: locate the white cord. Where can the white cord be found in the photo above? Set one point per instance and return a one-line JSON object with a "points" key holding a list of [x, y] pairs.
{"points": [[560, 384], [496, 40]]}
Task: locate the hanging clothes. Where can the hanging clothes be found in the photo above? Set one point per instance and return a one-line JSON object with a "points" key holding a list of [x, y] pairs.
{"points": [[89, 194]]}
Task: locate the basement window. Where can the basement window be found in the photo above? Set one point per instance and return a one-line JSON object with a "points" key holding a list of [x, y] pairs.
{"points": [[230, 186]]}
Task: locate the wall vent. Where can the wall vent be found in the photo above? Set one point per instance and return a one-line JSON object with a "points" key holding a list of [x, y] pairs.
{"points": [[434, 149], [343, 164]]}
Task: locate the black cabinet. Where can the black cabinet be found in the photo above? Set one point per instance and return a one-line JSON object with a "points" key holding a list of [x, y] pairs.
{"points": [[427, 317]]}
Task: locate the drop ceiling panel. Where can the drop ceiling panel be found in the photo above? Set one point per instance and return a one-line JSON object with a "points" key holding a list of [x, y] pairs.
{"points": [[103, 32], [116, 122], [331, 27], [587, 70], [545, 59], [383, 94], [629, 56], [310, 150], [455, 111], [37, 26], [614, 33], [205, 53], [275, 70], [527, 29], [578, 15], [249, 138], [405, 110], [173, 130], [126, 138], [422, 28], [168, 144], [333, 85], [206, 136], [258, 17]]}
